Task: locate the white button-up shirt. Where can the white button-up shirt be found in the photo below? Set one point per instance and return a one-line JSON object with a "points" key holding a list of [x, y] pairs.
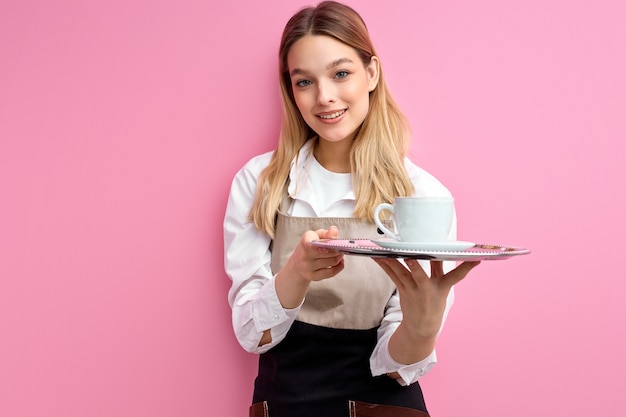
{"points": [[252, 296]]}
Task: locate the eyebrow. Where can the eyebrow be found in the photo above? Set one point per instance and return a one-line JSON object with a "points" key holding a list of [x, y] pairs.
{"points": [[338, 62], [335, 63]]}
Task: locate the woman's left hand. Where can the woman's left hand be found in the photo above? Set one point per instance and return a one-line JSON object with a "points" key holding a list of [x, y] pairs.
{"points": [[422, 300]]}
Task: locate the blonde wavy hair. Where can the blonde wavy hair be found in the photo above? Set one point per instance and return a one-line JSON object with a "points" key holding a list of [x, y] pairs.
{"points": [[380, 145]]}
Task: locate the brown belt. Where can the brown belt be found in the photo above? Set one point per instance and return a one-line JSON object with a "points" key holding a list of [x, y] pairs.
{"points": [[357, 409]]}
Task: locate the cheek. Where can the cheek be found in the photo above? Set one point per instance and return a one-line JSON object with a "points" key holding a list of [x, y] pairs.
{"points": [[358, 93], [300, 100], [361, 100], [304, 105]]}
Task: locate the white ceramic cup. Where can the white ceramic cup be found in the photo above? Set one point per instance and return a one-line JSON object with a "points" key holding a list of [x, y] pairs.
{"points": [[418, 219]]}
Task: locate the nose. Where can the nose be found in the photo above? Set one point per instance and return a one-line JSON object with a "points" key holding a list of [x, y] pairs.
{"points": [[326, 93]]}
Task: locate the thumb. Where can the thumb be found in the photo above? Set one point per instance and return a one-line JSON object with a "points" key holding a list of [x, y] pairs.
{"points": [[331, 233]]}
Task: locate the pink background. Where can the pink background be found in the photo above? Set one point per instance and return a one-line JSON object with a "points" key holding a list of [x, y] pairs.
{"points": [[122, 124]]}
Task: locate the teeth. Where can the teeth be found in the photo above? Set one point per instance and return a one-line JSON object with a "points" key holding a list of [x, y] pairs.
{"points": [[332, 115]]}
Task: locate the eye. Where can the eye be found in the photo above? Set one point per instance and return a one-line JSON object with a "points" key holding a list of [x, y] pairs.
{"points": [[303, 83], [342, 74]]}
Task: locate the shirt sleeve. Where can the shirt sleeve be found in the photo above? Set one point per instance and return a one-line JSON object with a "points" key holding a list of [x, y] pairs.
{"points": [[381, 362], [252, 295]]}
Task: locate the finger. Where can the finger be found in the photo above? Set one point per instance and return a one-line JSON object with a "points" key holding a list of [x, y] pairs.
{"points": [[384, 264], [436, 268], [309, 236], [399, 274], [417, 272], [328, 271], [460, 272], [322, 253], [325, 261], [331, 233]]}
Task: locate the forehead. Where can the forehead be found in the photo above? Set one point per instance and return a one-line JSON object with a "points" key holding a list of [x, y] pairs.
{"points": [[315, 52]]}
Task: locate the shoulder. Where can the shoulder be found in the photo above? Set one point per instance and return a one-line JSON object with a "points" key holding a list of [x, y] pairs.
{"points": [[426, 184], [247, 176], [257, 163], [251, 170]]}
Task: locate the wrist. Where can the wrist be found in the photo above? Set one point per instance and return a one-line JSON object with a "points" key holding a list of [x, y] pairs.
{"points": [[422, 332], [290, 289], [407, 346]]}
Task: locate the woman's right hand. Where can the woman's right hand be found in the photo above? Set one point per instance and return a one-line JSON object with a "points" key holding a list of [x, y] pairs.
{"points": [[307, 263]]}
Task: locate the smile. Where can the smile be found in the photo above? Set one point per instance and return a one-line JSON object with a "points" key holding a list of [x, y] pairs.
{"points": [[330, 116]]}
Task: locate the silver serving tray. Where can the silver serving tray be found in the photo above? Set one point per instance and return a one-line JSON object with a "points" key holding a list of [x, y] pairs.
{"points": [[366, 247]]}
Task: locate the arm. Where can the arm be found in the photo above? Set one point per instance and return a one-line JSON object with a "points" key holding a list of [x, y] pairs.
{"points": [[417, 312], [423, 302], [264, 306], [306, 264], [381, 361], [406, 346], [252, 295]]}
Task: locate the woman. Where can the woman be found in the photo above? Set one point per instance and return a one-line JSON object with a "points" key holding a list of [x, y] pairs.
{"points": [[336, 336]]}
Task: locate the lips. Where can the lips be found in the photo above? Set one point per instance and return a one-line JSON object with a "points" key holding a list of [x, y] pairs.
{"points": [[331, 115]]}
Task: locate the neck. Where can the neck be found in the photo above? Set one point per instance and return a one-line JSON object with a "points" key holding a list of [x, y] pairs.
{"points": [[334, 156]]}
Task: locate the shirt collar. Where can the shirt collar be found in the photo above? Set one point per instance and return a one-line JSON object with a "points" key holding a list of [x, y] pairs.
{"points": [[300, 187], [299, 175]]}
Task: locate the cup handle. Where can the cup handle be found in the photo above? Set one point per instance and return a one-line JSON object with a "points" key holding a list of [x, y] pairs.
{"points": [[381, 226]]}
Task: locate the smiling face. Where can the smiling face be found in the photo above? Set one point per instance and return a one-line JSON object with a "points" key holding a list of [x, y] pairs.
{"points": [[331, 85]]}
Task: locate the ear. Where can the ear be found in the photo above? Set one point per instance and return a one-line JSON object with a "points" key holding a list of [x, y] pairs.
{"points": [[373, 73]]}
